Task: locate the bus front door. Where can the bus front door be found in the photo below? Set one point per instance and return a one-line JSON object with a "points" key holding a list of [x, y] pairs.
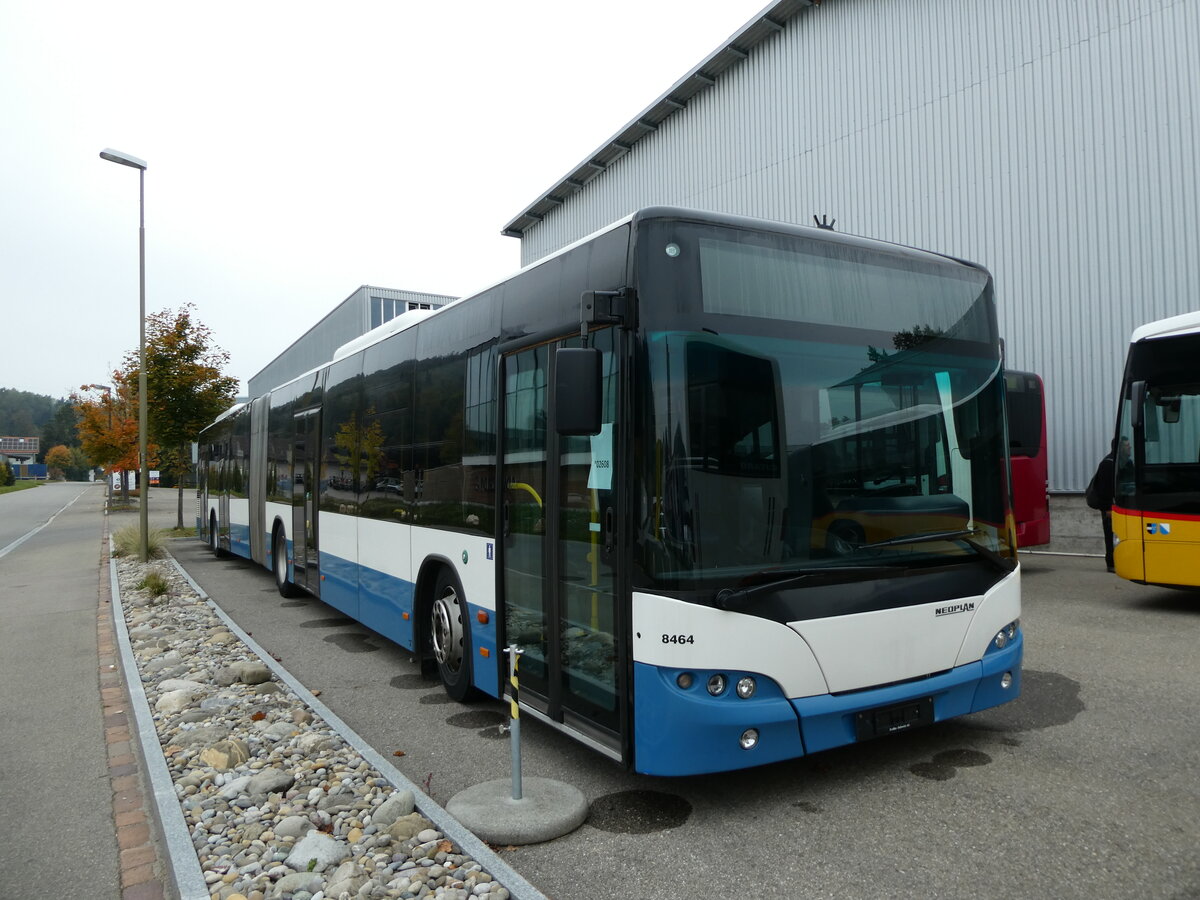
{"points": [[559, 548], [306, 571]]}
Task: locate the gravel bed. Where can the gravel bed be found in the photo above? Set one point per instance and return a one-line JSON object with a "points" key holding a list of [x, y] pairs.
{"points": [[276, 802]]}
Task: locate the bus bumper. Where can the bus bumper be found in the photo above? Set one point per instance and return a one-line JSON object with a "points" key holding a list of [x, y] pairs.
{"points": [[686, 731], [834, 720]]}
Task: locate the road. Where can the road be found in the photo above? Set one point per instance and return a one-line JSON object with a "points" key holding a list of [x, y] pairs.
{"points": [[56, 803], [27, 512], [1087, 786]]}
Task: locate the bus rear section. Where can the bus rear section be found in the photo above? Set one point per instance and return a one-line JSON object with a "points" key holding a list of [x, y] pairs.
{"points": [[1156, 506], [1025, 403]]}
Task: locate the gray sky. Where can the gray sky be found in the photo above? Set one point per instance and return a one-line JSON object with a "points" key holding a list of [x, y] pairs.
{"points": [[295, 151]]}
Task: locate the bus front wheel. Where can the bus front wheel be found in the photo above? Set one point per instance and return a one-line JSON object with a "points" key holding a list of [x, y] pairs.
{"points": [[450, 636], [279, 565]]}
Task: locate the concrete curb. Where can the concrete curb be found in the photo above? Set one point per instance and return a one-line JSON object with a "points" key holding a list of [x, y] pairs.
{"points": [[184, 864]]}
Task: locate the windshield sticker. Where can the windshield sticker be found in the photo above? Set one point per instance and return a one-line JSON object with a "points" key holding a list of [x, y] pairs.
{"points": [[600, 476]]}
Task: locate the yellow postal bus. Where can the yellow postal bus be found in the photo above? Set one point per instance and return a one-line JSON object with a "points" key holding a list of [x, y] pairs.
{"points": [[1156, 491]]}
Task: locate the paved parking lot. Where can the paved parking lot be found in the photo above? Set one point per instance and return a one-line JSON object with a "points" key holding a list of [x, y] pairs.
{"points": [[1088, 786]]}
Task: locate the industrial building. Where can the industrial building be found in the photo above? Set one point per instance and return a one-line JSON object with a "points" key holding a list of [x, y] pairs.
{"points": [[1054, 143], [366, 308]]}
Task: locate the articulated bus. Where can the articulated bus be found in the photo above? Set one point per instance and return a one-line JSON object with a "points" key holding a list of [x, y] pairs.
{"points": [[736, 489], [1156, 494], [1025, 403]]}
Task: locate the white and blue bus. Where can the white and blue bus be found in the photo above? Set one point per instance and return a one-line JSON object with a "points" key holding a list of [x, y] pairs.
{"points": [[739, 490]]}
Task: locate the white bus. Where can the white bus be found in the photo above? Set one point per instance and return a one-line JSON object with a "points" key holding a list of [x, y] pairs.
{"points": [[738, 490]]}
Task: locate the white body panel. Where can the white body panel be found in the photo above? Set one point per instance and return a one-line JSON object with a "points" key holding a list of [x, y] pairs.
{"points": [[1188, 323], [239, 511], [723, 640], [873, 648], [398, 551], [338, 535], [819, 656], [473, 557], [283, 513]]}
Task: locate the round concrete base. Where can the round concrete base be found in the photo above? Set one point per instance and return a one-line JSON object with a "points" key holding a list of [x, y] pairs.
{"points": [[547, 809]]}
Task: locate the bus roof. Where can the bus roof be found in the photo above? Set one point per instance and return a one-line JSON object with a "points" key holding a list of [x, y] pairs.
{"points": [[1188, 323]]}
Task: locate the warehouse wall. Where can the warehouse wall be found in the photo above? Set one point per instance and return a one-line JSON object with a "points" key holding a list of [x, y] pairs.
{"points": [[1053, 142]]}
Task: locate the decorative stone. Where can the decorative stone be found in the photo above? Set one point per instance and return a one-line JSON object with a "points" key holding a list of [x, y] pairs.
{"points": [[226, 754]]}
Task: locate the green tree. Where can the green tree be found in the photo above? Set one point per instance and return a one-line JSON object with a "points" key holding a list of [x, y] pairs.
{"points": [[62, 428], [185, 389], [23, 414]]}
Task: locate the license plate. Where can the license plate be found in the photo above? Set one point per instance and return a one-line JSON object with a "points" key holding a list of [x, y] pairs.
{"points": [[886, 720]]}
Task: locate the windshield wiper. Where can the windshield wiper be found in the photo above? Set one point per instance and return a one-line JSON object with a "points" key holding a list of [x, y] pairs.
{"points": [[735, 598], [964, 535]]}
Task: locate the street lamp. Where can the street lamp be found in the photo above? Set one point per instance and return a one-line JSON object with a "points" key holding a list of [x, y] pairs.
{"points": [[144, 474]]}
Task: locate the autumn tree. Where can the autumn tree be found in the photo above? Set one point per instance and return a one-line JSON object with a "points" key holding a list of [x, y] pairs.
{"points": [[108, 426], [185, 389], [58, 460]]}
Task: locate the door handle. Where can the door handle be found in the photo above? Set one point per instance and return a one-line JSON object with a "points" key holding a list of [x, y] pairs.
{"points": [[610, 520]]}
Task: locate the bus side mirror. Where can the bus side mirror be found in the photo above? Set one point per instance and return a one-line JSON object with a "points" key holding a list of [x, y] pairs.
{"points": [[577, 390], [1137, 398]]}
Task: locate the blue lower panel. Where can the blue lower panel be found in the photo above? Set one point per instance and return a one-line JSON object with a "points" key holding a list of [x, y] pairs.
{"points": [[385, 604], [486, 660], [685, 731], [339, 584], [239, 540], [828, 721], [680, 731]]}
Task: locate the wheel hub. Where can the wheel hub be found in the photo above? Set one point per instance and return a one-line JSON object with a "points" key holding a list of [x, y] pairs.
{"points": [[447, 631]]}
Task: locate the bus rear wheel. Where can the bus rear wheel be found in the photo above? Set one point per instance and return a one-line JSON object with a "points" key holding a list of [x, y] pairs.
{"points": [[214, 537], [279, 565], [450, 636]]}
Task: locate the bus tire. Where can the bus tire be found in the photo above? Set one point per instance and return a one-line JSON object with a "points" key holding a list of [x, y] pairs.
{"points": [[214, 536], [450, 636], [279, 565]]}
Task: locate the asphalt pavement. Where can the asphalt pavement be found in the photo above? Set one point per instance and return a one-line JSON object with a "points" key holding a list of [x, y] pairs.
{"points": [[1085, 787]]}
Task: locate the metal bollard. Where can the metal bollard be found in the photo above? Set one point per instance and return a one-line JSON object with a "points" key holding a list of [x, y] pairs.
{"points": [[514, 655]]}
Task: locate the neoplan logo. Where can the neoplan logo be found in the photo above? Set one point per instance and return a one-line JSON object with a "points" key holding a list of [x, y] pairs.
{"points": [[955, 608]]}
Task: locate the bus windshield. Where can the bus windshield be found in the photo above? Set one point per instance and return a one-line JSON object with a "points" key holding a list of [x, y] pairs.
{"points": [[1166, 446], [792, 434]]}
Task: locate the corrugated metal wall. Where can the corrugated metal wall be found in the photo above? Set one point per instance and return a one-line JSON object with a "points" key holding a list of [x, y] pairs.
{"points": [[1056, 143], [346, 321]]}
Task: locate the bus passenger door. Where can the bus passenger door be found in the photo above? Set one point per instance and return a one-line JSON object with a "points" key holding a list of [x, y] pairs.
{"points": [[306, 572], [560, 542]]}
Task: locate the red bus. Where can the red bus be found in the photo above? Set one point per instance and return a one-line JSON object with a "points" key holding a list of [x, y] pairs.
{"points": [[1026, 405]]}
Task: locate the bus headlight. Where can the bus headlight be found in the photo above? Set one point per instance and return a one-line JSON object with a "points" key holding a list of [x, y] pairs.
{"points": [[1006, 634], [746, 687], [749, 739], [1006, 680], [716, 685], [684, 680]]}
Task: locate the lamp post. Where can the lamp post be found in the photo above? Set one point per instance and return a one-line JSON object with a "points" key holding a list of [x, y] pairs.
{"points": [[144, 472]]}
